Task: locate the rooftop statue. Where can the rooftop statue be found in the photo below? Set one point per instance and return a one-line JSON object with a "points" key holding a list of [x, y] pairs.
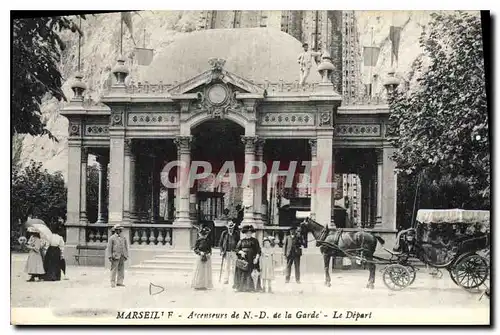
{"points": [[305, 61]]}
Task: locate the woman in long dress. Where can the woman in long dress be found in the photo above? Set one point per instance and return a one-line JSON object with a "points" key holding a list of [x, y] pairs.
{"points": [[52, 259], [202, 279], [247, 249], [34, 265]]}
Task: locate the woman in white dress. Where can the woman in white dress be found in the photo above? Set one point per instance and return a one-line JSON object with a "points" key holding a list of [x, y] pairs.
{"points": [[267, 264], [34, 265]]}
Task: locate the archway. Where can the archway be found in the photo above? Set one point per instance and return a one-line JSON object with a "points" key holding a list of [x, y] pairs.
{"points": [[216, 141]]}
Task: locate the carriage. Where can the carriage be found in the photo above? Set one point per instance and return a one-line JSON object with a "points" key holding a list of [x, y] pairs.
{"points": [[455, 240]]}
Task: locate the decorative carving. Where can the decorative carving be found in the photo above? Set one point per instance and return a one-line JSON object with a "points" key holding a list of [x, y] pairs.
{"points": [[325, 119], [217, 63], [219, 110], [358, 130], [287, 119], [183, 144], [250, 143], [117, 119], [153, 119], [314, 144], [96, 129], [259, 146], [127, 144], [74, 129]]}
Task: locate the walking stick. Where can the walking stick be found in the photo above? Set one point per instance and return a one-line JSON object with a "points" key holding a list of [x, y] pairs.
{"points": [[222, 266]]}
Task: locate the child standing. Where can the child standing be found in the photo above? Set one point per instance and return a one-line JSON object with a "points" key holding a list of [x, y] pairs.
{"points": [[267, 263]]}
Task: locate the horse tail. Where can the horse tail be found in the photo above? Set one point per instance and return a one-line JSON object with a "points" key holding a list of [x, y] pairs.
{"points": [[380, 239]]}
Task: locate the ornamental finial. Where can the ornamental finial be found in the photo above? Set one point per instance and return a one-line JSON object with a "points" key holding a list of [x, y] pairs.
{"points": [[217, 63]]}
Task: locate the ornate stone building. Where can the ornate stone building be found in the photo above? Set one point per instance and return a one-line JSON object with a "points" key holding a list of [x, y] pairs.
{"points": [[235, 98]]}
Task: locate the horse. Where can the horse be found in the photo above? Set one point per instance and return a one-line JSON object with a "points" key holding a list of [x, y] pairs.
{"points": [[333, 242]]}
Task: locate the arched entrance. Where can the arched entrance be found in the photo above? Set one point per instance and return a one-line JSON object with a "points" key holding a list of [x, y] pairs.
{"points": [[216, 141]]}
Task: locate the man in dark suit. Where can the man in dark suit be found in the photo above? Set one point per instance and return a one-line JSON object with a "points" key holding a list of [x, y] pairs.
{"points": [[227, 244], [292, 250]]}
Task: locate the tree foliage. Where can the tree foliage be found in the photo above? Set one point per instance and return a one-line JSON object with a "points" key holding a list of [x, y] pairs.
{"points": [[440, 126], [38, 193], [36, 52]]}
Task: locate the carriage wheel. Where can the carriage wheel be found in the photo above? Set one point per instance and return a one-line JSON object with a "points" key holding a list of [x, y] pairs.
{"points": [[397, 277], [470, 272], [413, 273]]}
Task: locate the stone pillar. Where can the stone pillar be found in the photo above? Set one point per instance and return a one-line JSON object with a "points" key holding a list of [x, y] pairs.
{"points": [[132, 189], [127, 179], [116, 178], [102, 168], [379, 183], [314, 177], [389, 199], [364, 196], [83, 186], [258, 189], [326, 172], [153, 191], [74, 179], [248, 190], [182, 235]]}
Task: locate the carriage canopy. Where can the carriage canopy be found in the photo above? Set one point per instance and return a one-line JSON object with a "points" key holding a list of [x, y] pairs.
{"points": [[453, 216]]}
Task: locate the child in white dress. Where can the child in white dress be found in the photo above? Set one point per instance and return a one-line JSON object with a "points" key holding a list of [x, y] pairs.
{"points": [[267, 264]]}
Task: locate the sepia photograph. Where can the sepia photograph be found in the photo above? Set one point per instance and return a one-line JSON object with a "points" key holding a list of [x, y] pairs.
{"points": [[250, 167]]}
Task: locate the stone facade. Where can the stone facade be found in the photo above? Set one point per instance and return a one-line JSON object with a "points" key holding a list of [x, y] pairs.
{"points": [[132, 121]]}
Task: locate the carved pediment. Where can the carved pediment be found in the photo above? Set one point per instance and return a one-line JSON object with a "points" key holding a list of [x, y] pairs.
{"points": [[217, 100], [216, 74]]}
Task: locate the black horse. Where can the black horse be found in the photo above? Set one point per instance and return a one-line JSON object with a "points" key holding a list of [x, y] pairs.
{"points": [[334, 242]]}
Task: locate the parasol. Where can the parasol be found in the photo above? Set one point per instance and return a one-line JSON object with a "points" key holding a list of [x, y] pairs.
{"points": [[40, 227], [255, 276]]}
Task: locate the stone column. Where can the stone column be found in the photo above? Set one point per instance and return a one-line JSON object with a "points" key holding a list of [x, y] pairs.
{"points": [[127, 179], [102, 216], [258, 189], [364, 197], [132, 188], [379, 184], [389, 199], [314, 177], [73, 234], [248, 190], [154, 199], [182, 235], [326, 178], [116, 178], [83, 186]]}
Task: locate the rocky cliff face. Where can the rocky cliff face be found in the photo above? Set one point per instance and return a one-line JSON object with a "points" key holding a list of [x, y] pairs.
{"points": [[156, 29]]}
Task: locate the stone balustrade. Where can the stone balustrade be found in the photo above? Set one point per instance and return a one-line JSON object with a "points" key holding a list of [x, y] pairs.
{"points": [[159, 235], [96, 234], [280, 87]]}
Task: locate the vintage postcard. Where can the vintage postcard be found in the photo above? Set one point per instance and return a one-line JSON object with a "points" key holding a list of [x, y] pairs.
{"points": [[216, 167]]}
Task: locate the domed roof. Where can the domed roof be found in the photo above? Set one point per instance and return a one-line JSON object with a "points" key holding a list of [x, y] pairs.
{"points": [[255, 54]]}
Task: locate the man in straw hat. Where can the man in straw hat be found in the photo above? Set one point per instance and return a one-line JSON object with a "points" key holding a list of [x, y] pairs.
{"points": [[227, 244], [117, 252]]}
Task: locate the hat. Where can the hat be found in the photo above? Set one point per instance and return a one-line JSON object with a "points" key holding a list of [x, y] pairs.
{"points": [[204, 231], [270, 239], [117, 226], [304, 44], [231, 225], [248, 228]]}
